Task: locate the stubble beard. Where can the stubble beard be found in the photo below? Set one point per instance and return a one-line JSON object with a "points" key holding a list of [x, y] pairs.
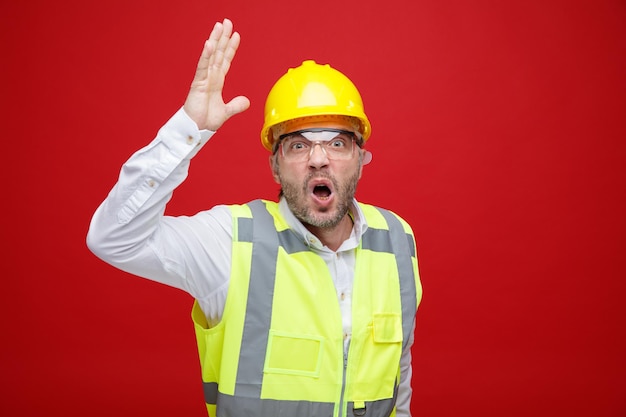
{"points": [[296, 196]]}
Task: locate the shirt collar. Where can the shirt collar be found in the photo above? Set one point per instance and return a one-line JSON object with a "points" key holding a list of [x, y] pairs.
{"points": [[359, 227]]}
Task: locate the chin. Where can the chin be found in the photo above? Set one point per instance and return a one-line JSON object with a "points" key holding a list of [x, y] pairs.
{"points": [[326, 221]]}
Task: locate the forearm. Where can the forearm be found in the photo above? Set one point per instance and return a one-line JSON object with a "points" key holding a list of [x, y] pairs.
{"points": [[131, 215]]}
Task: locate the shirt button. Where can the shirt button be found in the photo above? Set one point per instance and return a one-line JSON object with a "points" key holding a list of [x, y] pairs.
{"points": [[189, 140], [151, 183], [343, 296]]}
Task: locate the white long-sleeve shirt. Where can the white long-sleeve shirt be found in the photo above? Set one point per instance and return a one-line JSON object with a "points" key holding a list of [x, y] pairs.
{"points": [[130, 231]]}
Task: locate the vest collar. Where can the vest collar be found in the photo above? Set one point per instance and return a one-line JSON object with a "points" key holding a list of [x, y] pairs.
{"points": [[360, 226]]}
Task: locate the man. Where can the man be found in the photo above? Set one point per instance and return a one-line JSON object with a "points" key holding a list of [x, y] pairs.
{"points": [[304, 307]]}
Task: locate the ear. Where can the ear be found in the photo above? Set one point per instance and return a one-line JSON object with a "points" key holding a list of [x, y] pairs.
{"points": [[274, 167], [366, 158]]}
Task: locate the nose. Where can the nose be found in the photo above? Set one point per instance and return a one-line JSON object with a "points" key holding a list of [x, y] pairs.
{"points": [[318, 157]]}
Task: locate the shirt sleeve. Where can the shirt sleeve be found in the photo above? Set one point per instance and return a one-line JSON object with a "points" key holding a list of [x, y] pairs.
{"points": [[130, 231]]}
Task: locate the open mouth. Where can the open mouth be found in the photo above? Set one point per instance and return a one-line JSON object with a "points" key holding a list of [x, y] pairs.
{"points": [[321, 191]]}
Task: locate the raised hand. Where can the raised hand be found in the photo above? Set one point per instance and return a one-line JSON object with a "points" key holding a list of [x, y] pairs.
{"points": [[205, 103]]}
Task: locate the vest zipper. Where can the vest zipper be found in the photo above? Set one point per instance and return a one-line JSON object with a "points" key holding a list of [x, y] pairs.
{"points": [[343, 382]]}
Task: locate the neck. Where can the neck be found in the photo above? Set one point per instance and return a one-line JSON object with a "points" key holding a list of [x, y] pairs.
{"points": [[333, 237]]}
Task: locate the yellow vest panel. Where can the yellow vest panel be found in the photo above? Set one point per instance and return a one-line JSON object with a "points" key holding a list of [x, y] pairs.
{"points": [[279, 348]]}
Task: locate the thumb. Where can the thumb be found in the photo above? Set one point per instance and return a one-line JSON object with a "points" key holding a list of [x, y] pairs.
{"points": [[237, 105]]}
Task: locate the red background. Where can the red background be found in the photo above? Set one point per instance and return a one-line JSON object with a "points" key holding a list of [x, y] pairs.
{"points": [[498, 132]]}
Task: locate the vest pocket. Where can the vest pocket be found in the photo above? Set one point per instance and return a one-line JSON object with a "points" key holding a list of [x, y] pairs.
{"points": [[387, 328], [292, 354]]}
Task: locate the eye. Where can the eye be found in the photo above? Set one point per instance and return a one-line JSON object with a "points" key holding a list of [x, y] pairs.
{"points": [[297, 145], [338, 142]]}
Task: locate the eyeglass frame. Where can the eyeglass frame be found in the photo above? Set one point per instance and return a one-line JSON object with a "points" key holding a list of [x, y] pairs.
{"points": [[355, 138]]}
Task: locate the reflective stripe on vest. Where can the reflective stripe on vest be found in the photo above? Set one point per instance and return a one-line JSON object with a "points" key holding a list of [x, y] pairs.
{"points": [[247, 391], [394, 241]]}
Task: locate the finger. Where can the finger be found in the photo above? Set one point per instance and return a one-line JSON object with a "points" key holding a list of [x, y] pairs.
{"points": [[222, 56], [203, 62], [214, 38], [207, 52], [227, 30], [231, 50], [222, 44], [227, 24]]}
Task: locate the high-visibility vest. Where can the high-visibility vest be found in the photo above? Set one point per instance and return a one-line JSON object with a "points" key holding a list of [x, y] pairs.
{"points": [[279, 347]]}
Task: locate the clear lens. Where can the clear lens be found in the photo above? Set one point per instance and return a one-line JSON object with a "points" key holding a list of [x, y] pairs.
{"points": [[295, 147]]}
